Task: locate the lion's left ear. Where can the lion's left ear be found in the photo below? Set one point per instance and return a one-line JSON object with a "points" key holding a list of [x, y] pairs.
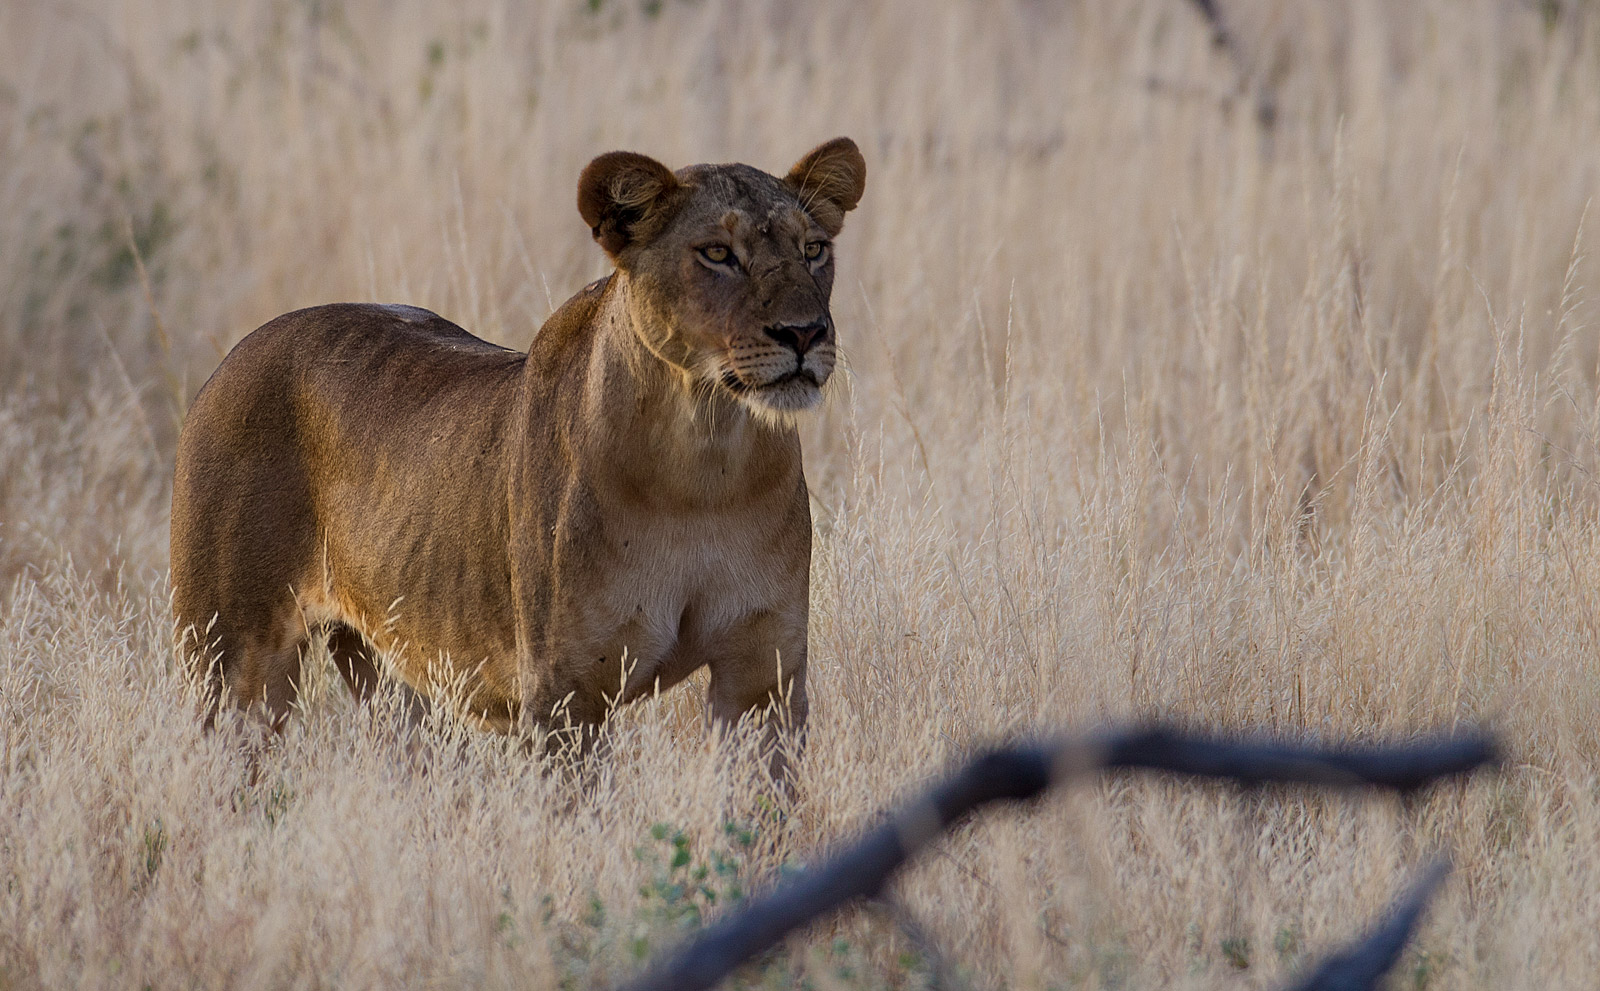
{"points": [[830, 181], [626, 199]]}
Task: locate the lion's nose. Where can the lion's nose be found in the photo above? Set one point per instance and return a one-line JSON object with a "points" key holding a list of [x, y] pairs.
{"points": [[799, 337]]}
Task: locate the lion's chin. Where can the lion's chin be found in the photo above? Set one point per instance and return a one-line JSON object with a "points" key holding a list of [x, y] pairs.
{"points": [[779, 402]]}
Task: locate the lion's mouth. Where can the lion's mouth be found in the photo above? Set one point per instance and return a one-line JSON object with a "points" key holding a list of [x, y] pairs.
{"points": [[731, 379]]}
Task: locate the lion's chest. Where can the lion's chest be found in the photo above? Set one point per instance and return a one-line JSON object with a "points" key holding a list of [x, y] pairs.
{"points": [[671, 592]]}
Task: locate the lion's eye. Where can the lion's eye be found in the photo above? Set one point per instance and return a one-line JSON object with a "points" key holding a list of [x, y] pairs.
{"points": [[815, 249], [717, 254]]}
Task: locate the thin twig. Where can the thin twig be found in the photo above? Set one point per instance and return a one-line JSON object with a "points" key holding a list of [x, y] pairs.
{"points": [[1265, 105], [1365, 961]]}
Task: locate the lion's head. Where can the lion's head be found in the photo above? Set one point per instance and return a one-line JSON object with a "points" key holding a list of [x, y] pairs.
{"points": [[733, 267]]}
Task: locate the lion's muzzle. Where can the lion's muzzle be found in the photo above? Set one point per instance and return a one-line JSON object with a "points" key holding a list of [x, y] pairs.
{"points": [[800, 338]]}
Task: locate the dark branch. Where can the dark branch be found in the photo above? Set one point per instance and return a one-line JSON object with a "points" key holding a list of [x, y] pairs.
{"points": [[1403, 768], [1022, 772]]}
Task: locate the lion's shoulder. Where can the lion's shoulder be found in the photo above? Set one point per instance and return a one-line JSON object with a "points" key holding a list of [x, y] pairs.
{"points": [[573, 319]]}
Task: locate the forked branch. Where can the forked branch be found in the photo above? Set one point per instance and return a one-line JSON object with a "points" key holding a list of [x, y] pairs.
{"points": [[1021, 772]]}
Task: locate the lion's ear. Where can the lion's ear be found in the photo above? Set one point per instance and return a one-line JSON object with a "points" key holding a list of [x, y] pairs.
{"points": [[625, 199], [830, 182]]}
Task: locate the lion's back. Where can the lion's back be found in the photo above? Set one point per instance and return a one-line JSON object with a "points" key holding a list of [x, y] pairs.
{"points": [[323, 414]]}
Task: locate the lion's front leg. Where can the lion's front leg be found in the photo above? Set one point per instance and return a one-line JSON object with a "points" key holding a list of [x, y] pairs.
{"points": [[761, 675], [559, 715]]}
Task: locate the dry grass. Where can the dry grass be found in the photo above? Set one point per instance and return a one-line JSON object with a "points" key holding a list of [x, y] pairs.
{"points": [[1149, 411]]}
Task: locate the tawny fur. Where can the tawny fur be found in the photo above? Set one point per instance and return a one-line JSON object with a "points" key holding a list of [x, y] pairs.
{"points": [[446, 509]]}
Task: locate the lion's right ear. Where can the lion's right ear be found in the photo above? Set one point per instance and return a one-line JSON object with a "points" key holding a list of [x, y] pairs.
{"points": [[830, 181], [625, 199]]}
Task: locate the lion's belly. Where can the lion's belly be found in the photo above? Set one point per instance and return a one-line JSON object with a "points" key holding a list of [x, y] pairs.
{"points": [[441, 645], [438, 607]]}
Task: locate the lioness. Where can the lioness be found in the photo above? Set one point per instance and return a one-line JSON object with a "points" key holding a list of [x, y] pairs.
{"points": [[518, 523]]}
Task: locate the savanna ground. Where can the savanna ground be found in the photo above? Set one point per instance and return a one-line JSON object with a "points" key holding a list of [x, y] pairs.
{"points": [[1251, 389]]}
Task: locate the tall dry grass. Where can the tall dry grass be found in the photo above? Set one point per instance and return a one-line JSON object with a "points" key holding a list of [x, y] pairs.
{"points": [[1150, 410]]}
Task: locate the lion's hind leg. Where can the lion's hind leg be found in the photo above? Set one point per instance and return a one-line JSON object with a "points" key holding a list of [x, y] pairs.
{"points": [[200, 661], [245, 666], [353, 658], [356, 660]]}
